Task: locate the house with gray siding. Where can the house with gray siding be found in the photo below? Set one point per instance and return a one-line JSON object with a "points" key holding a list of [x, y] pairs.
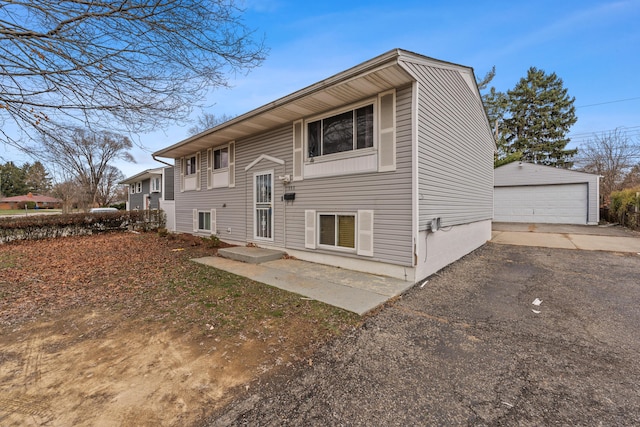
{"points": [[153, 189], [527, 192], [386, 167]]}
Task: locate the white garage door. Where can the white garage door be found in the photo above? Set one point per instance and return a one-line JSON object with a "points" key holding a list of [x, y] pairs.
{"points": [[557, 204]]}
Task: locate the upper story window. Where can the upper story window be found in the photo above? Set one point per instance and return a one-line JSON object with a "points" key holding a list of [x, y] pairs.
{"points": [[155, 185], [190, 168], [347, 131], [138, 187], [221, 158]]}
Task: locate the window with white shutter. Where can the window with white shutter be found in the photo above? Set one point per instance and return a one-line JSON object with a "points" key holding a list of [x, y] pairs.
{"points": [[298, 153], [365, 233], [387, 131], [310, 229], [232, 164]]}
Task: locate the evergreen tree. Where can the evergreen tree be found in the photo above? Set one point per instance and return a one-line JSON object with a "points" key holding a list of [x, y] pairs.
{"points": [[37, 178], [12, 180], [540, 114]]}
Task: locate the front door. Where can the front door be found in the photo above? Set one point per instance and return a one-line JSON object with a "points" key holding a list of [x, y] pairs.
{"points": [[263, 205]]}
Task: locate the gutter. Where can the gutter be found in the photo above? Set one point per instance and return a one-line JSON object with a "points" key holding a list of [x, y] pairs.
{"points": [[161, 161]]}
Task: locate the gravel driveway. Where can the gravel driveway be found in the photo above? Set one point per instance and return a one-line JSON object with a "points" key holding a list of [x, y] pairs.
{"points": [[467, 348]]}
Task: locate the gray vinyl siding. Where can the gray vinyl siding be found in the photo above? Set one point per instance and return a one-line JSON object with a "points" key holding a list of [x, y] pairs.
{"points": [[135, 201], [154, 198], [169, 184], [388, 194], [516, 174], [455, 149]]}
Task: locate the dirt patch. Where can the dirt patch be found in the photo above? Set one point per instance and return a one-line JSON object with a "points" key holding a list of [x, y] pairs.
{"points": [[122, 329]]}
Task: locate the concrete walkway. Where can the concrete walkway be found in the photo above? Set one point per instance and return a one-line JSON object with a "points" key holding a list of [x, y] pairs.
{"points": [[350, 290], [583, 237], [362, 292]]}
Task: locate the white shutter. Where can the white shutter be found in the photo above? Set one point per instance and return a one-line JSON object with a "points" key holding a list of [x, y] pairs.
{"points": [[181, 174], [214, 229], [387, 131], [209, 168], [365, 233], [198, 171], [298, 157], [195, 220], [310, 229], [232, 164]]}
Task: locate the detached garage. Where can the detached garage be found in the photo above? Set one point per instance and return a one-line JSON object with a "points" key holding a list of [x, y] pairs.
{"points": [[525, 192]]}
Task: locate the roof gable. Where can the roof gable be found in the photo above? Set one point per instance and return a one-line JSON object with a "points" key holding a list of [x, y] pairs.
{"points": [[367, 79], [523, 173]]}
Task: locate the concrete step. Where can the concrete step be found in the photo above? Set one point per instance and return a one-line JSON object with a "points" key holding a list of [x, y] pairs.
{"points": [[250, 255]]}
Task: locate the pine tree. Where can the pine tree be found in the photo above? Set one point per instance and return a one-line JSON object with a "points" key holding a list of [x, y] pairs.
{"points": [[540, 116], [37, 178]]}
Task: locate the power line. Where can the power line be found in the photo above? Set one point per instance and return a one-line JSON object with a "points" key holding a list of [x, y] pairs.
{"points": [[625, 129], [608, 102]]}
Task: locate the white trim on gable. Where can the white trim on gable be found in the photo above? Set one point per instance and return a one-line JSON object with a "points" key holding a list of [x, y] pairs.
{"points": [[263, 157]]}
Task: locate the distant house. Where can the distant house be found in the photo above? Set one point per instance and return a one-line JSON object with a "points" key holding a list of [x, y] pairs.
{"points": [[39, 202], [153, 189], [386, 167], [527, 192]]}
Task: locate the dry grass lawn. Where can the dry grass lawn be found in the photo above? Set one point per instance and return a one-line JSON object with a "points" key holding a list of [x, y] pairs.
{"points": [[122, 329]]}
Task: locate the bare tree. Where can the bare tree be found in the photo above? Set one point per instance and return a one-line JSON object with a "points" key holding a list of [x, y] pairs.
{"points": [[86, 157], [69, 191], [632, 179], [128, 66], [207, 121], [611, 155], [108, 186]]}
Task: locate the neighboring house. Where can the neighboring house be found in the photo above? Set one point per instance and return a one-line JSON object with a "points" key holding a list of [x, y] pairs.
{"points": [[527, 192], [386, 167], [40, 202], [153, 189]]}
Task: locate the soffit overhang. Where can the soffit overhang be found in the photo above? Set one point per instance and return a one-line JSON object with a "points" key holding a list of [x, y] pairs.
{"points": [[360, 82]]}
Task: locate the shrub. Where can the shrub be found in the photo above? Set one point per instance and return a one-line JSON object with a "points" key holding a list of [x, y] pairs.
{"points": [[625, 206], [624, 200], [32, 227]]}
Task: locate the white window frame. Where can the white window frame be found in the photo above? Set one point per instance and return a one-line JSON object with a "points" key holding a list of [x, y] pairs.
{"points": [[190, 181], [213, 157], [156, 184], [195, 165], [212, 171], [356, 152], [213, 228], [335, 247], [204, 230], [138, 187], [272, 207]]}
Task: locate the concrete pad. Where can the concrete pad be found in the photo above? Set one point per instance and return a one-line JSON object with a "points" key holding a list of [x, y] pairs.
{"points": [[349, 290], [609, 237], [250, 255], [606, 243], [545, 240]]}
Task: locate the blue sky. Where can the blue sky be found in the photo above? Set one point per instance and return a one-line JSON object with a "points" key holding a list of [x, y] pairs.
{"points": [[594, 46]]}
